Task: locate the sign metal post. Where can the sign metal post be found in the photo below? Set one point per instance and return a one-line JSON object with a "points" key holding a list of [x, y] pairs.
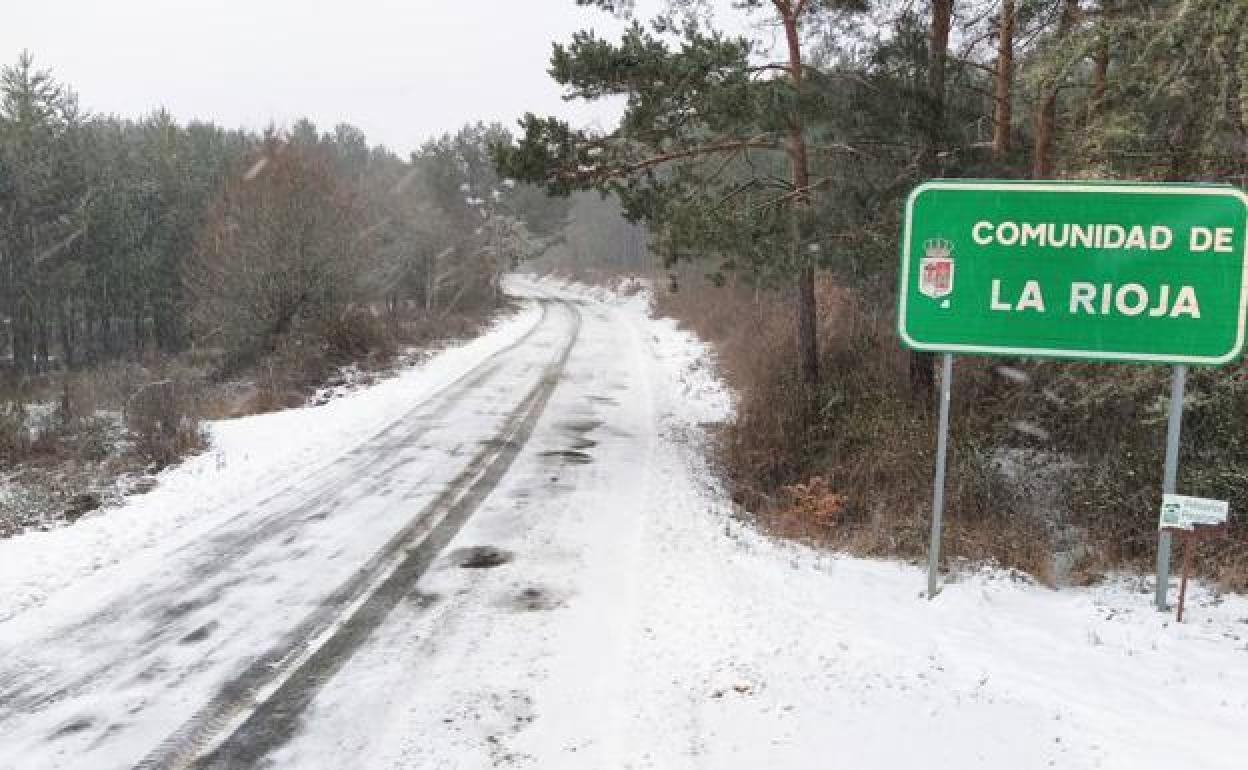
{"points": [[1174, 426], [1091, 271], [938, 485]]}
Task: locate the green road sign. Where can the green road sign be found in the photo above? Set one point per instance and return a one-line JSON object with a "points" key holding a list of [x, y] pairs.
{"points": [[1103, 271]]}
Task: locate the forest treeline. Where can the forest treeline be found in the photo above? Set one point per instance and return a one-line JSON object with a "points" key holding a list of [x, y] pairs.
{"points": [[120, 237], [156, 273], [777, 162]]}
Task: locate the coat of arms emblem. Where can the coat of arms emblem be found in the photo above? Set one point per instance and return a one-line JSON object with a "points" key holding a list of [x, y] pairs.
{"points": [[936, 269]]}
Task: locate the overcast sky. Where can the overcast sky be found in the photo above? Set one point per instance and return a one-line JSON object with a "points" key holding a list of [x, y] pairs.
{"points": [[401, 70]]}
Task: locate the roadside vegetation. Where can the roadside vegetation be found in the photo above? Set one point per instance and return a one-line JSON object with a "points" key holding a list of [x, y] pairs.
{"points": [[156, 274], [771, 172]]}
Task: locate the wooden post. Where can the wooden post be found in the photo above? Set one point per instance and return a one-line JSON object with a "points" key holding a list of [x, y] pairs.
{"points": [[1187, 569]]}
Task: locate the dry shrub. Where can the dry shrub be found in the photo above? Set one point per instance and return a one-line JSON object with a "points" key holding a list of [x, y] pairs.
{"points": [[298, 364], [286, 376], [809, 508], [228, 400], [356, 334], [14, 434], [630, 286], [421, 329], [71, 432], [163, 419], [108, 386], [1231, 570]]}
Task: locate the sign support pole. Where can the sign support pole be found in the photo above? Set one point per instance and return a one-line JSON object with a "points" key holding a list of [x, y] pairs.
{"points": [[1174, 426], [938, 485], [1187, 568]]}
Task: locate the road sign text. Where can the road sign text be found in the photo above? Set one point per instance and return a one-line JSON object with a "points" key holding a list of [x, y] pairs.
{"points": [[1112, 272]]}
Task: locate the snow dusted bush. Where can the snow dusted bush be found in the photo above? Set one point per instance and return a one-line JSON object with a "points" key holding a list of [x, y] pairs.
{"points": [[14, 434], [163, 418]]}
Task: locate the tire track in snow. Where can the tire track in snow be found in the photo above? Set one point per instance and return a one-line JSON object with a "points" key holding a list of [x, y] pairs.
{"points": [[258, 710]]}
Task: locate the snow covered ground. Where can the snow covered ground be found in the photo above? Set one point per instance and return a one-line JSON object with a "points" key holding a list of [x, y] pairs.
{"points": [[623, 618]]}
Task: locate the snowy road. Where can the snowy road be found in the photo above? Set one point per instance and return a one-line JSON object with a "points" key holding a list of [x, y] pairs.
{"points": [[514, 556], [223, 635]]}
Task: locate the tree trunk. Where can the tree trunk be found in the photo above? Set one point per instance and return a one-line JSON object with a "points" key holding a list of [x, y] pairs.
{"points": [[1100, 65], [1243, 91], [65, 324], [922, 365], [1001, 112], [43, 359], [23, 322], [937, 56], [807, 340], [1046, 116]]}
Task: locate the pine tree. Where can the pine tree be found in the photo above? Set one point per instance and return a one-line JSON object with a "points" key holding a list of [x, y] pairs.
{"points": [[1003, 82], [40, 201], [713, 151]]}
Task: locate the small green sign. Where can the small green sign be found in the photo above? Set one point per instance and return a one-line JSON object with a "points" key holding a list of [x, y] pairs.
{"points": [[1154, 273]]}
